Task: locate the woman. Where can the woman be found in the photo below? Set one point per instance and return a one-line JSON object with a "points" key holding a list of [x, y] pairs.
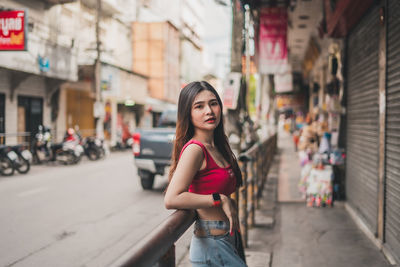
{"points": [[203, 174]]}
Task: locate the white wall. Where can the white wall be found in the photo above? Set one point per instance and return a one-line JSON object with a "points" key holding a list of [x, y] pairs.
{"points": [[159, 10], [191, 62], [33, 86], [217, 38], [45, 40], [115, 35]]}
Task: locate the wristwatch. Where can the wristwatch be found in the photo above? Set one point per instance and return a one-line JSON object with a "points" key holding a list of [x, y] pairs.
{"points": [[217, 199]]}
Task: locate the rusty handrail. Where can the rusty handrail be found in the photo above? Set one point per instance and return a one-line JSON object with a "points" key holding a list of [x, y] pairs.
{"points": [[258, 156], [159, 242]]}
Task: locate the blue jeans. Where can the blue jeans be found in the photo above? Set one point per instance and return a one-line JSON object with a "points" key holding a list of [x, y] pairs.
{"points": [[214, 250]]}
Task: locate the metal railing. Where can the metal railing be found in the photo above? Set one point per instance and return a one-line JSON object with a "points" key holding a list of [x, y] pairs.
{"points": [[158, 246], [22, 138], [254, 164]]}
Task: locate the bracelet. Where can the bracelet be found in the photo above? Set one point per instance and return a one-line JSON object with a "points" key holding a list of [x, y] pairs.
{"points": [[217, 199]]}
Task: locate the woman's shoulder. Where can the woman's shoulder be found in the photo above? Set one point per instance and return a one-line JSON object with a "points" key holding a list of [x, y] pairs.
{"points": [[193, 147]]}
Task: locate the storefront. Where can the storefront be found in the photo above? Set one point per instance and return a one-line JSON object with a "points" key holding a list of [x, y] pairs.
{"points": [[124, 94], [33, 66], [392, 140], [363, 118], [28, 101], [79, 110], [372, 92]]}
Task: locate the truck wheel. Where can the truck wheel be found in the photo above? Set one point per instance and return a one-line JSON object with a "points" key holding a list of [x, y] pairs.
{"points": [[147, 180]]}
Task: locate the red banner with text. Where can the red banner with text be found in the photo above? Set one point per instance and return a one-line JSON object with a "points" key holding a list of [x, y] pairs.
{"points": [[273, 41], [12, 30]]}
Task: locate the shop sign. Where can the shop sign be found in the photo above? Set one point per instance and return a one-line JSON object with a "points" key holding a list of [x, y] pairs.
{"points": [[231, 90], [110, 80], [13, 30], [44, 64], [283, 83], [289, 101], [273, 41]]}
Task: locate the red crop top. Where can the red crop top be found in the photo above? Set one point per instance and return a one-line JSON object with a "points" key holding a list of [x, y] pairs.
{"points": [[212, 179]]}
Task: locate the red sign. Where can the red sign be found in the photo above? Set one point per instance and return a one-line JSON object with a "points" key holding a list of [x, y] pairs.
{"points": [[272, 40], [12, 30]]}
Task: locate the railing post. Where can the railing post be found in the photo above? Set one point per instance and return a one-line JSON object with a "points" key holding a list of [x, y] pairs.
{"points": [[243, 202], [251, 194], [235, 196], [168, 260]]}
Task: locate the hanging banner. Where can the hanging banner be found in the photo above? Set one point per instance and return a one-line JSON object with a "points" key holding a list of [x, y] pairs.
{"points": [[272, 40], [13, 30], [283, 83], [231, 90]]}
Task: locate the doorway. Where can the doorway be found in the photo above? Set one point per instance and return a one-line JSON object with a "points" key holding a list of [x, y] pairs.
{"points": [[2, 119], [30, 116]]}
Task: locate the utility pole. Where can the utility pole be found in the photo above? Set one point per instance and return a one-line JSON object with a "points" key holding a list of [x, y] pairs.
{"points": [[247, 51], [98, 108], [236, 40]]}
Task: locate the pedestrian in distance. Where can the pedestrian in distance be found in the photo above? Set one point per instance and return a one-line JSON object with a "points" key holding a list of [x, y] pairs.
{"points": [[203, 174]]}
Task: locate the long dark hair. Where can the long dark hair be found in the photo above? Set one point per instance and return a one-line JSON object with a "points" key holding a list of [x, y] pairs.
{"points": [[185, 128]]}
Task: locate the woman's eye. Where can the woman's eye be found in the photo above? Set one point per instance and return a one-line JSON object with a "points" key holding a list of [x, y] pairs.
{"points": [[214, 103]]}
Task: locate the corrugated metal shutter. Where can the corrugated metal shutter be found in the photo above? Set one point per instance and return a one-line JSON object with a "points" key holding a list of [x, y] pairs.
{"points": [[363, 119], [392, 215]]}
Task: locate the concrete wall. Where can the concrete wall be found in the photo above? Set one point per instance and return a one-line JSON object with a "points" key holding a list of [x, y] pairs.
{"points": [[46, 39]]}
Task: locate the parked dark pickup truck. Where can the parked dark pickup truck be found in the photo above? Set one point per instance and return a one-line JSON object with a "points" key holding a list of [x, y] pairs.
{"points": [[152, 148]]}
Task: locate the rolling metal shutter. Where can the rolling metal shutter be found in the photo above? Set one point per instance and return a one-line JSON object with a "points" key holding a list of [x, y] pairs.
{"points": [[362, 129], [392, 167]]}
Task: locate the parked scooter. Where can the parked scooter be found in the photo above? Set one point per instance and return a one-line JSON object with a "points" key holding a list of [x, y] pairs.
{"points": [[67, 152], [22, 160], [40, 146], [93, 148], [6, 160]]}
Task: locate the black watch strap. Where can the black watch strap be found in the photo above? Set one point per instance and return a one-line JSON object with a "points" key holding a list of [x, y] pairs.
{"points": [[217, 199]]}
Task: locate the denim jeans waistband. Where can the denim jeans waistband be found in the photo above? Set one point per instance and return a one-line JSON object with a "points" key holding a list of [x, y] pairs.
{"points": [[208, 225]]}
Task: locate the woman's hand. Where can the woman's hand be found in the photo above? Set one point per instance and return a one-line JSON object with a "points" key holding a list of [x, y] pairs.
{"points": [[230, 211]]}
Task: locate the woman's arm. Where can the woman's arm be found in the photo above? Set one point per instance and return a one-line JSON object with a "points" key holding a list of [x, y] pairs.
{"points": [[177, 196]]}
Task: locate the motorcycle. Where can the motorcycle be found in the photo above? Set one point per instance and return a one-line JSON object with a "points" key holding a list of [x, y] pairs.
{"points": [[40, 146], [67, 152], [22, 159], [70, 151], [93, 148], [6, 160]]}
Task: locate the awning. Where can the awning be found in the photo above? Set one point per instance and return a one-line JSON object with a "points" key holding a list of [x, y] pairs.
{"points": [[158, 105]]}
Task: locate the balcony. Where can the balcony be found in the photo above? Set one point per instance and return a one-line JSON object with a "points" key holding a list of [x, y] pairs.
{"points": [[109, 7], [58, 2]]}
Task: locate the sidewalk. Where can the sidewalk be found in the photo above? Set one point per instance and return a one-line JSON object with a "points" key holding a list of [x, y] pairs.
{"points": [[287, 233], [315, 237]]}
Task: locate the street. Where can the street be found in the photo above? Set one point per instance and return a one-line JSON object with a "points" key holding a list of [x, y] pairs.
{"points": [[83, 215]]}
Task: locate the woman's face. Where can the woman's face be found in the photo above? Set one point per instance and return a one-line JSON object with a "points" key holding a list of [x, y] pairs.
{"points": [[206, 112]]}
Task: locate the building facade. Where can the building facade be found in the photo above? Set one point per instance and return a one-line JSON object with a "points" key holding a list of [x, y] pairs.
{"points": [[30, 80]]}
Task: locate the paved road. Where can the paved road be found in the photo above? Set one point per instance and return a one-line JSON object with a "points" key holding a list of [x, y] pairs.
{"points": [[83, 215]]}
